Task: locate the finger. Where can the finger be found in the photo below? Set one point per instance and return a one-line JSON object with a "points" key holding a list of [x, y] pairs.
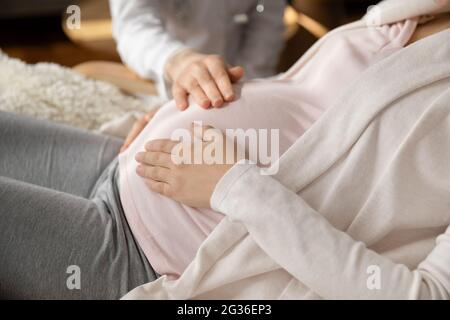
{"points": [[209, 87], [236, 74], [150, 115], [160, 159], [153, 173], [199, 95], [163, 145], [135, 131], [222, 79], [181, 99], [180, 96], [158, 187]]}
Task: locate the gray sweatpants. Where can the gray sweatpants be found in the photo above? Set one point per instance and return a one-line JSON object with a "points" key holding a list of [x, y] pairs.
{"points": [[63, 233]]}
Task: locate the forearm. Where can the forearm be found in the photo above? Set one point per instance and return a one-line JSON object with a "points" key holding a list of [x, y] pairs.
{"points": [[327, 260]]}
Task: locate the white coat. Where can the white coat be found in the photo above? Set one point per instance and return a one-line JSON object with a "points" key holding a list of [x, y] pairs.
{"points": [[149, 32]]}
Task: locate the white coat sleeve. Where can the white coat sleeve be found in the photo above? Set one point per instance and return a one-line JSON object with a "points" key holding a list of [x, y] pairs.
{"points": [[142, 41], [263, 41], [327, 260]]}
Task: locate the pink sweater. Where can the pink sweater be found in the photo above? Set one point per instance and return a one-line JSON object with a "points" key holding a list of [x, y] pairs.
{"points": [[170, 233]]}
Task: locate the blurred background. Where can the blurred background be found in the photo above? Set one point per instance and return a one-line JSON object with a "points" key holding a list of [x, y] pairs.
{"points": [[34, 31]]}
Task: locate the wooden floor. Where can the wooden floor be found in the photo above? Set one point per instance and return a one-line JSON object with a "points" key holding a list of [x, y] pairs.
{"points": [[42, 39]]}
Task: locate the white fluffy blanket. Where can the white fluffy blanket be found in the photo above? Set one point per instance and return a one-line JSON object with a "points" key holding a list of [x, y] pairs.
{"points": [[52, 92]]}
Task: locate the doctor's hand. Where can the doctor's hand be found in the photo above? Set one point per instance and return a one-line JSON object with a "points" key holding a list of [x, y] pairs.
{"points": [[207, 78], [188, 182]]}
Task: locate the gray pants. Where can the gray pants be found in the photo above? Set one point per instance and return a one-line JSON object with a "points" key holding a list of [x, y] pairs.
{"points": [[63, 233]]}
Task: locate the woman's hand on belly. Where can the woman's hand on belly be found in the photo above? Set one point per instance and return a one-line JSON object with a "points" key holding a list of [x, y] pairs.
{"points": [[171, 169]]}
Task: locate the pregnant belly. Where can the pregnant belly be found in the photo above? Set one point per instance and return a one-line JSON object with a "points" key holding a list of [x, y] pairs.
{"points": [[171, 233]]}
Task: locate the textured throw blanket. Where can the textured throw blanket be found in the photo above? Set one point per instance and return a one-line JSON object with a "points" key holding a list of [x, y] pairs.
{"points": [[52, 92]]}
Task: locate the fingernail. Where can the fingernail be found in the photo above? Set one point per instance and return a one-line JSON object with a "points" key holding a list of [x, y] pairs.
{"points": [[139, 170], [218, 103], [205, 104], [230, 97], [139, 157]]}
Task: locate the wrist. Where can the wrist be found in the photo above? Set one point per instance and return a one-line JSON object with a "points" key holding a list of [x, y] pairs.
{"points": [[226, 182], [178, 62]]}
